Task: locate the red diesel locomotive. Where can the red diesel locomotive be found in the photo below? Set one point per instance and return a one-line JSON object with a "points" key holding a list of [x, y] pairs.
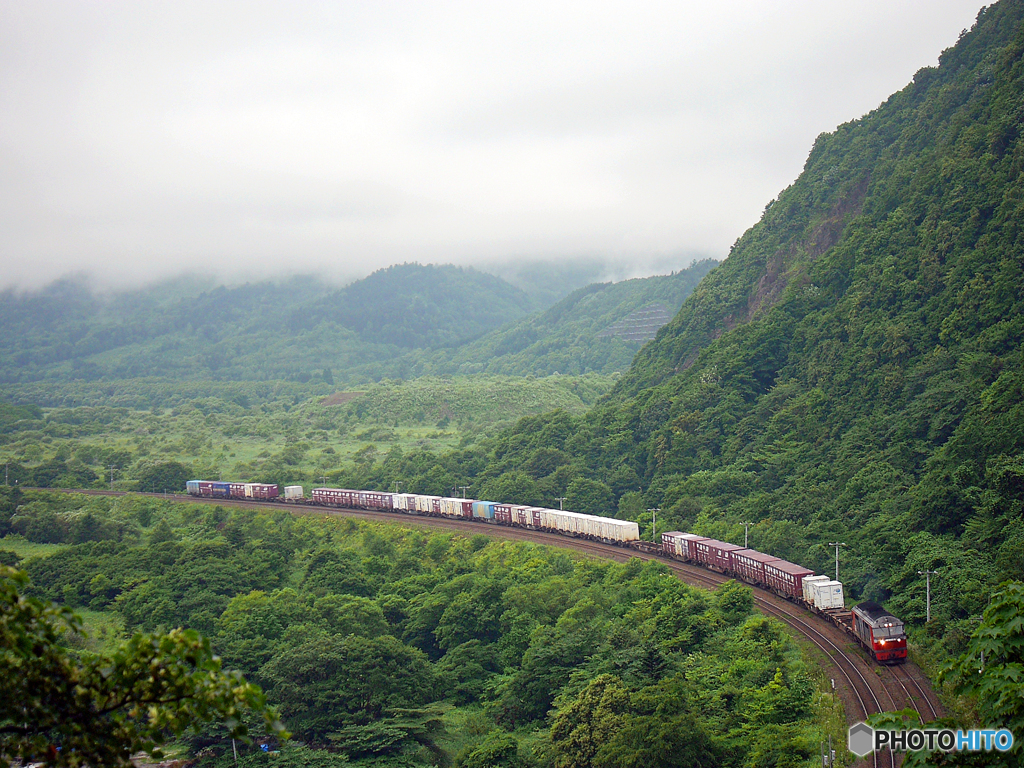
{"points": [[880, 632]]}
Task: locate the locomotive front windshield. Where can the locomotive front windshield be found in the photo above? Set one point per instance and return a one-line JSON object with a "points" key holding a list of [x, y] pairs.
{"points": [[892, 631]]}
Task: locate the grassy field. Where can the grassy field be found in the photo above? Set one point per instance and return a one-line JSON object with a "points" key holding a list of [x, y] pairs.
{"points": [[246, 438]]}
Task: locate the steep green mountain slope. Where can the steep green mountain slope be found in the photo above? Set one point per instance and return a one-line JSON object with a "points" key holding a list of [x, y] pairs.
{"points": [[853, 371], [257, 331], [577, 335]]}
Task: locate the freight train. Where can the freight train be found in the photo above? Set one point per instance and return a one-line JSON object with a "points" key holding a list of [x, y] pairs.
{"points": [[881, 634]]}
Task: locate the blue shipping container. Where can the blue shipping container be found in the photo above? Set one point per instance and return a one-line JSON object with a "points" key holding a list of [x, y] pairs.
{"points": [[221, 489], [483, 509]]}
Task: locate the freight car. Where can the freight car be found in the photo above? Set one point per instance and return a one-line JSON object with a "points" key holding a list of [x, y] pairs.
{"points": [[879, 632], [605, 529]]}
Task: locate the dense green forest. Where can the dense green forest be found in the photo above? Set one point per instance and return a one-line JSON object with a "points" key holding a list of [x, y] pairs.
{"points": [[390, 646]]}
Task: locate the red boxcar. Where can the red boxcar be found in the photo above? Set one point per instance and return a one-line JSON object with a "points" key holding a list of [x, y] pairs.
{"points": [[786, 578], [715, 554], [749, 565]]}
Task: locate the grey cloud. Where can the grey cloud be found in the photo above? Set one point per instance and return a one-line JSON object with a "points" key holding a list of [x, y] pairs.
{"points": [[145, 139]]}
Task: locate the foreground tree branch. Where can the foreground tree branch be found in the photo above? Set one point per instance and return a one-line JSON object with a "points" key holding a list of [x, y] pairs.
{"points": [[76, 710]]}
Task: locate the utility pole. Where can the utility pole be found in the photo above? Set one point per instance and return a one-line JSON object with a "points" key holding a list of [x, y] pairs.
{"points": [[7, 467], [560, 499], [654, 523], [928, 592], [746, 529], [837, 545], [324, 478], [397, 484], [464, 489], [112, 468]]}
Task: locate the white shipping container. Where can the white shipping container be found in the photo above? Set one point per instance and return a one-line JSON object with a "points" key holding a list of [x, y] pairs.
{"points": [[292, 492], [809, 582], [828, 594], [451, 507]]}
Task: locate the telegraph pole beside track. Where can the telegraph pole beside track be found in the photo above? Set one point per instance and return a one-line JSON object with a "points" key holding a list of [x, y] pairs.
{"points": [[112, 468], [928, 593], [560, 499], [746, 530], [397, 483], [837, 545], [464, 489], [654, 523]]}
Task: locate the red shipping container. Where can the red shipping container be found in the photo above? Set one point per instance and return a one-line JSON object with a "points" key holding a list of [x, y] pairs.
{"points": [[236, 490], [786, 578], [264, 490], [467, 508], [503, 513], [715, 554], [749, 564]]}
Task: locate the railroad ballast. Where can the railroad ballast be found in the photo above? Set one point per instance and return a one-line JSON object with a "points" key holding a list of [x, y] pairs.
{"points": [[880, 633]]}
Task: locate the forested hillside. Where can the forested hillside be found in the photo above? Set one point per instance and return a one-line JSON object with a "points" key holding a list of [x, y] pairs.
{"points": [[853, 371], [295, 329], [571, 337]]}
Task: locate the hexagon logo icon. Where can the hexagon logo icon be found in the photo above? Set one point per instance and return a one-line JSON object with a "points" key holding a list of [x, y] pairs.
{"points": [[861, 739]]}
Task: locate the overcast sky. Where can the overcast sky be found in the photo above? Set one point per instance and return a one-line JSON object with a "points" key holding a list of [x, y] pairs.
{"points": [[139, 140]]}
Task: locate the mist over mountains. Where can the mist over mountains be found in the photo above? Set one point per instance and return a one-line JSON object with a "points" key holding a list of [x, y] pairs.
{"points": [[402, 321]]}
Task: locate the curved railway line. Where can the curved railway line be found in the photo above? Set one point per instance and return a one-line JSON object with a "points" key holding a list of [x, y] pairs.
{"points": [[865, 687]]}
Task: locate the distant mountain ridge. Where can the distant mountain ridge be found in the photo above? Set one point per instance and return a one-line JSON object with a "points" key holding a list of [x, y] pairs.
{"points": [[401, 322], [566, 337]]}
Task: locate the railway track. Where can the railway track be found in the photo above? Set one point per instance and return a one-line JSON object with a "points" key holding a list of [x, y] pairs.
{"points": [[865, 687]]}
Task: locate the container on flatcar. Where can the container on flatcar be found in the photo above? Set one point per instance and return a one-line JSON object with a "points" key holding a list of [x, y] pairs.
{"points": [[260, 490], [715, 554], [455, 507], [808, 587], [372, 500], [483, 510], [786, 578], [236, 490], [527, 517], [828, 595], [680, 545], [192, 487], [404, 502], [293, 493], [749, 564], [621, 531], [220, 490], [424, 504], [880, 632], [503, 514]]}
